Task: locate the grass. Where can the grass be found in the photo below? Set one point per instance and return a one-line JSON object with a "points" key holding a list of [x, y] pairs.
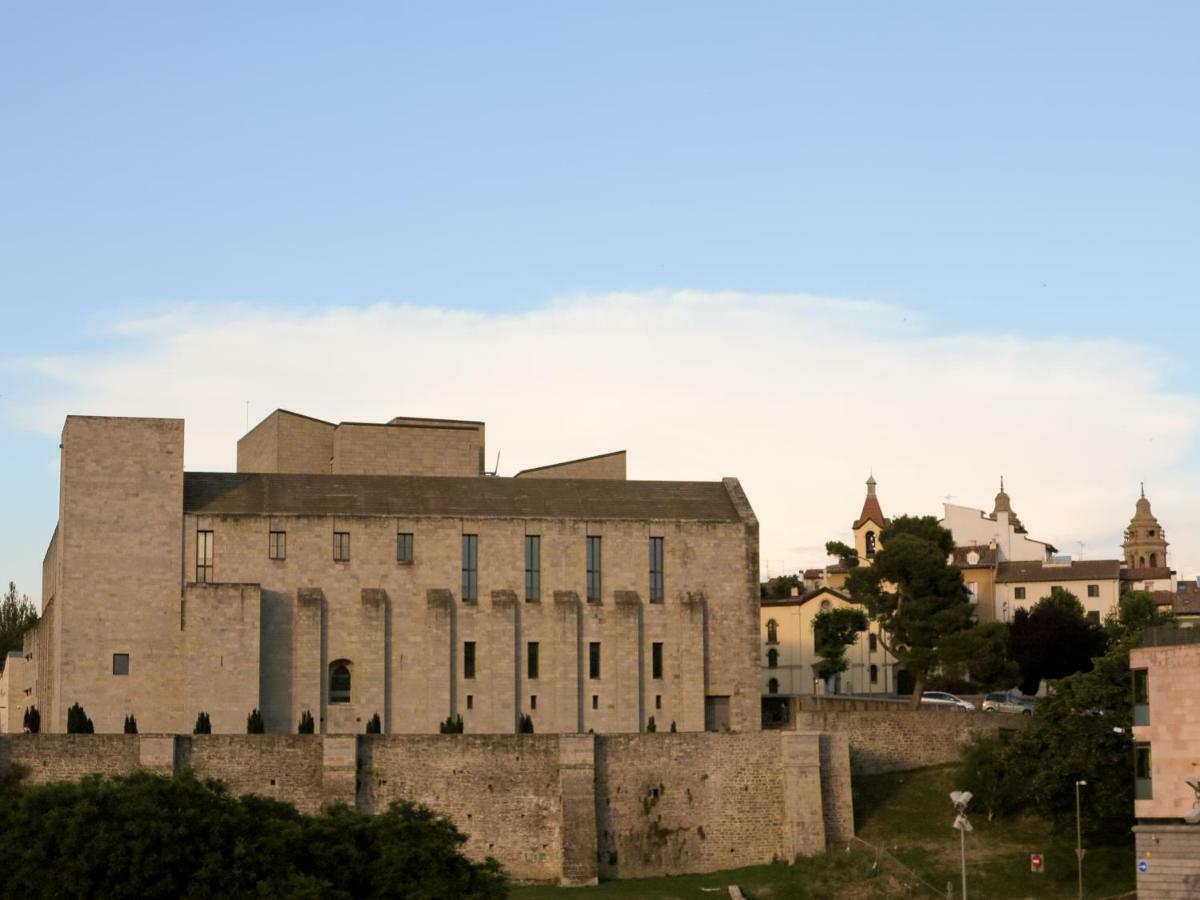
{"points": [[909, 816]]}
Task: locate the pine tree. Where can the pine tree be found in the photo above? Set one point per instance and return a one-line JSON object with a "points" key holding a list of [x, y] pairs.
{"points": [[32, 721], [78, 721], [374, 725], [307, 725], [203, 725], [130, 724], [254, 722]]}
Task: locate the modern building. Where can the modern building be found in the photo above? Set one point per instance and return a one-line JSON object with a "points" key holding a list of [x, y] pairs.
{"points": [[359, 569], [1166, 760]]}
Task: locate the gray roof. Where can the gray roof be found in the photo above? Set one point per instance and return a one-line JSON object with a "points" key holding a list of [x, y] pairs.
{"points": [[229, 493], [1079, 570]]}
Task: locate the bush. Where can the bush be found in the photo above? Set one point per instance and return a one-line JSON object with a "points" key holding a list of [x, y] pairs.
{"points": [[672, 725], [307, 725], [78, 721], [525, 726], [143, 835], [203, 725], [130, 724], [254, 722], [374, 726], [32, 720], [651, 725], [452, 725]]}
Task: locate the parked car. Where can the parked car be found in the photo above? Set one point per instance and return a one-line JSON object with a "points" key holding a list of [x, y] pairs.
{"points": [[941, 698], [1008, 703]]}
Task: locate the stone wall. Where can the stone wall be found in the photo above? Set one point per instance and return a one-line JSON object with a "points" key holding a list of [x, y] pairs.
{"points": [[1170, 855], [609, 466], [408, 449], [550, 808], [895, 740]]}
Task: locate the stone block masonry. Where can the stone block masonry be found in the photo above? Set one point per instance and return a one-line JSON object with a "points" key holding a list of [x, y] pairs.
{"points": [[551, 808], [1168, 861]]}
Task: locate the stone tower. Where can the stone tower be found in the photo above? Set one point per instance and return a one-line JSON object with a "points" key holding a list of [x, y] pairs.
{"points": [[1145, 543], [869, 524], [1004, 504]]}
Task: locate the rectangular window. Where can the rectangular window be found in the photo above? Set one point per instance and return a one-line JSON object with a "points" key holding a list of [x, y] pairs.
{"points": [[277, 545], [595, 701], [533, 568], [593, 569], [404, 547], [120, 663], [204, 556], [1093, 616], [468, 659], [873, 643], [533, 701], [531, 659], [470, 568], [658, 701], [656, 570], [656, 662], [470, 701], [874, 674], [594, 659], [341, 546], [1141, 697], [1143, 785], [1093, 590], [1019, 593]]}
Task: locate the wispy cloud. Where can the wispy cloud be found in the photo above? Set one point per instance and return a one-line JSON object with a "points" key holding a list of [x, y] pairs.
{"points": [[799, 396]]}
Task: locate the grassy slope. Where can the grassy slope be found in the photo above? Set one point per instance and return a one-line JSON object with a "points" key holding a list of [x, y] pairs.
{"points": [[909, 815]]}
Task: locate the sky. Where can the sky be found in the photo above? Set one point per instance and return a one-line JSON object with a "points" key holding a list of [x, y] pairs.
{"points": [[793, 243]]}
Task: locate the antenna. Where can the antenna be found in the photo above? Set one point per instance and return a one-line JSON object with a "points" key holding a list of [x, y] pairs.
{"points": [[497, 469], [1081, 546]]}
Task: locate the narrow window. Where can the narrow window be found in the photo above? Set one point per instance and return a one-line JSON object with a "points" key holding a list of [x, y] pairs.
{"points": [[872, 643], [1143, 784], [595, 701], [658, 701], [594, 659], [277, 545], [404, 547], [341, 546], [120, 663], [204, 556], [1093, 590], [470, 701], [656, 570], [874, 674], [772, 632], [468, 659], [470, 568], [656, 660], [1019, 593], [1141, 697], [533, 701], [339, 682], [1153, 560], [533, 568], [773, 686], [870, 544], [593, 569], [531, 656], [772, 658]]}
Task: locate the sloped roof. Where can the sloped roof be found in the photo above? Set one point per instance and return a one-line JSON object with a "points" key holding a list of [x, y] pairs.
{"points": [[1081, 570], [1145, 573], [986, 557], [806, 596], [871, 512], [241, 493]]}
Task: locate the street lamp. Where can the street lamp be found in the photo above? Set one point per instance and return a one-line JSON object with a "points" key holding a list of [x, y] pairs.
{"points": [[960, 799], [1079, 851]]}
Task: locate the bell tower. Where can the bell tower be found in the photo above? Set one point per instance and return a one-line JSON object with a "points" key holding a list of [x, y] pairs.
{"points": [[869, 524], [1145, 543]]}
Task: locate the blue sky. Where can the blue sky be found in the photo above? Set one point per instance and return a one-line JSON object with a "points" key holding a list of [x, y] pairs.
{"points": [[1014, 171]]}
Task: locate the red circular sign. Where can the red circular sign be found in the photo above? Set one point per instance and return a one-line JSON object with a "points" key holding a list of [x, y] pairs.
{"points": [[1035, 862]]}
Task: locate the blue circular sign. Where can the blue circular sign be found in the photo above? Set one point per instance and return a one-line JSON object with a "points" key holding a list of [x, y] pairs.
{"points": [[1143, 866]]}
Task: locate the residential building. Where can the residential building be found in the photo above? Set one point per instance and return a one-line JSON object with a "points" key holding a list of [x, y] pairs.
{"points": [[1095, 582]]}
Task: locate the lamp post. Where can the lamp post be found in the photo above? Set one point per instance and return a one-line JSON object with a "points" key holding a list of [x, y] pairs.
{"points": [[960, 799], [1079, 851]]}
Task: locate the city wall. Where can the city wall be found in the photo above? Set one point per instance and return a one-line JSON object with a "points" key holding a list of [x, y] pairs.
{"points": [[551, 808]]}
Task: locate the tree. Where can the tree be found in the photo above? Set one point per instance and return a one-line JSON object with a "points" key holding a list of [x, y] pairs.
{"points": [[78, 721], [1054, 639], [452, 725], [254, 722], [780, 587], [651, 725], [32, 720], [1136, 611], [833, 631], [17, 616], [131, 724], [307, 725], [980, 655], [525, 726], [847, 555], [918, 599], [374, 725], [203, 725]]}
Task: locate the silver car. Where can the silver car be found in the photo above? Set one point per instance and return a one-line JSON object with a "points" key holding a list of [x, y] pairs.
{"points": [[1009, 703], [942, 699]]}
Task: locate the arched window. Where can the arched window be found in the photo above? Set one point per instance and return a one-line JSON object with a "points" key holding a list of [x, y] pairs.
{"points": [[339, 681], [870, 544], [1142, 561], [772, 632], [1153, 560], [772, 658], [773, 686]]}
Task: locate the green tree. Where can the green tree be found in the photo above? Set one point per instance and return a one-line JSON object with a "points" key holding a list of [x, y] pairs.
{"points": [[78, 721], [918, 599], [131, 724], [980, 655], [203, 724], [452, 725], [374, 725], [17, 616], [833, 631], [32, 720], [846, 555], [1136, 610], [254, 722], [1054, 639], [780, 587], [525, 725], [307, 725]]}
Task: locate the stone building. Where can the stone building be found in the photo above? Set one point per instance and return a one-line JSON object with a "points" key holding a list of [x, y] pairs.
{"points": [[354, 569]]}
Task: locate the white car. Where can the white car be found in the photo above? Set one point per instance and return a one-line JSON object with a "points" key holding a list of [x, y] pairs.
{"points": [[949, 701]]}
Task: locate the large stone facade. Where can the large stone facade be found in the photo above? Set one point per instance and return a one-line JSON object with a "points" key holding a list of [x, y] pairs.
{"points": [[340, 551]]}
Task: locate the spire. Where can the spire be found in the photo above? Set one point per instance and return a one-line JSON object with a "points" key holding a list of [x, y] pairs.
{"points": [[1143, 490], [871, 485], [1004, 504], [871, 510]]}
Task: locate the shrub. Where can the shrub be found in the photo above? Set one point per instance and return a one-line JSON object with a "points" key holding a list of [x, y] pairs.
{"points": [[651, 725], [78, 721], [526, 724], [130, 724], [452, 725], [254, 722], [673, 726], [307, 725], [203, 725], [374, 725], [32, 720]]}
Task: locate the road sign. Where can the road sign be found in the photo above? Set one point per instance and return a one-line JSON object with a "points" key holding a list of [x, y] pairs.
{"points": [[1036, 863], [1143, 866]]}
